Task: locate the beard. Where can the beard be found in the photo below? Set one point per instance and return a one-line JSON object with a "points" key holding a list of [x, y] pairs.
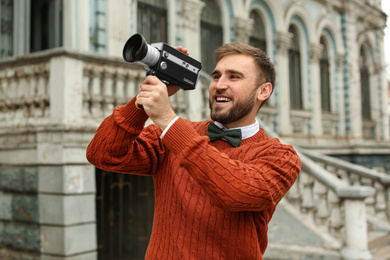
{"points": [[239, 110]]}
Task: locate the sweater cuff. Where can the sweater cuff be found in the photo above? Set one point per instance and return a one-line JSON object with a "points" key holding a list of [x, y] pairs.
{"points": [[130, 117], [179, 135]]}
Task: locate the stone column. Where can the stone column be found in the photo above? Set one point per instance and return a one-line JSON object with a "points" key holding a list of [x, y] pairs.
{"points": [[340, 92], [190, 30], [118, 25], [315, 78], [352, 93], [242, 28], [355, 231], [190, 25], [66, 182], [283, 41], [76, 36], [384, 119]]}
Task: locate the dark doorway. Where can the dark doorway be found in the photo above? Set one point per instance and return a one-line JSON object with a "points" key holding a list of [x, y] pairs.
{"points": [[124, 211]]}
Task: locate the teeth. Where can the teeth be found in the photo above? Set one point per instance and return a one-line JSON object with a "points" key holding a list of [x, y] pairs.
{"points": [[223, 99]]}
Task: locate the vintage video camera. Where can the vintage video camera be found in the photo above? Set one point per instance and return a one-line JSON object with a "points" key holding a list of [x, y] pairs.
{"points": [[165, 62]]}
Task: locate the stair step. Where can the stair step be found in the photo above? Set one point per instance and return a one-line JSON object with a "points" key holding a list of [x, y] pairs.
{"points": [[378, 240], [381, 254]]}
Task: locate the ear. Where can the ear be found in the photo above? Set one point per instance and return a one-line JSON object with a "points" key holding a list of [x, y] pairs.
{"points": [[264, 91]]}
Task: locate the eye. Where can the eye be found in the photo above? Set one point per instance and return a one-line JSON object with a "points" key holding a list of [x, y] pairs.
{"points": [[234, 76], [216, 76]]}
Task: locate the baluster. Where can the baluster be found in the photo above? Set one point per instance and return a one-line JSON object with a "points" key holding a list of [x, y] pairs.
{"points": [[354, 179], [43, 90], [30, 92], [34, 82], [131, 88], [3, 98], [336, 218], [120, 87], [12, 90], [108, 91], [293, 195], [95, 92], [86, 93], [307, 200], [370, 201], [380, 198], [322, 212]]}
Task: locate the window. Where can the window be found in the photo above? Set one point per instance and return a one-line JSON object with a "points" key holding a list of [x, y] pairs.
{"points": [[211, 34], [294, 59], [98, 41], [257, 38], [152, 20], [6, 28], [46, 24], [324, 71], [365, 84]]}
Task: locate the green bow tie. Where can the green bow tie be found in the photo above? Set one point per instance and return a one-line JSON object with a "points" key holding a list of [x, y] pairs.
{"points": [[233, 137]]}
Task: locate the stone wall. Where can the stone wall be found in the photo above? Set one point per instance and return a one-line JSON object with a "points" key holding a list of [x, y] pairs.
{"points": [[19, 213]]}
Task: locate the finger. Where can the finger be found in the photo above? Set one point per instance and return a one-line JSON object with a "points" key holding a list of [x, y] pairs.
{"points": [[183, 50], [137, 105]]}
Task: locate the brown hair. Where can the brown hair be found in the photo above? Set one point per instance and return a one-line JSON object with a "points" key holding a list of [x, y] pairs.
{"points": [[266, 67]]}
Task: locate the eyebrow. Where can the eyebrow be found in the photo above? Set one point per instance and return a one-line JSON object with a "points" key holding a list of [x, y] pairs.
{"points": [[231, 71]]}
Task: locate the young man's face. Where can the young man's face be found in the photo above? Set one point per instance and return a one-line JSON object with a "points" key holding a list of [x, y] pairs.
{"points": [[233, 95]]}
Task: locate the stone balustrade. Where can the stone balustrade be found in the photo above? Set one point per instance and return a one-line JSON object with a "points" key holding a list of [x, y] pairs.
{"points": [[333, 206], [377, 205], [24, 92]]}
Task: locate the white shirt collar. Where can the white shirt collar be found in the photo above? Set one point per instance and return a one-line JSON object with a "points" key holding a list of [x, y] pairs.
{"points": [[246, 131]]}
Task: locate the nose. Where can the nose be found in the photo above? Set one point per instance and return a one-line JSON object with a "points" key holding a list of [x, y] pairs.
{"points": [[220, 83]]}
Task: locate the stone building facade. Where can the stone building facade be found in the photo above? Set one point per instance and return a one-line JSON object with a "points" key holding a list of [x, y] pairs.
{"points": [[61, 73]]}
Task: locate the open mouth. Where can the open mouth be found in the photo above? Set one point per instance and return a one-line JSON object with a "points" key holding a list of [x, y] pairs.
{"points": [[222, 99]]}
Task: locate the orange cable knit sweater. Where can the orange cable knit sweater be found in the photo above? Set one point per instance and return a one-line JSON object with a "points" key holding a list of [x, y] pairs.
{"points": [[212, 201]]}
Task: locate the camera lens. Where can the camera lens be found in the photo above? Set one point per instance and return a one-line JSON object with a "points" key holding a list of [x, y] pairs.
{"points": [[137, 49]]}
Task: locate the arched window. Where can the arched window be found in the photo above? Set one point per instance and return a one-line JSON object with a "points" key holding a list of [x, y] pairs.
{"points": [[211, 34], [257, 38], [325, 83], [365, 84], [152, 20], [294, 59]]}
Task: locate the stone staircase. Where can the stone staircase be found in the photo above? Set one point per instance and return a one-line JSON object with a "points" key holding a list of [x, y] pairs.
{"points": [[335, 210], [379, 245]]}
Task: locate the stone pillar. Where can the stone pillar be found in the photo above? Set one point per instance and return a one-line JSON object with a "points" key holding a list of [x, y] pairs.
{"points": [[118, 25], [355, 231], [76, 36], [352, 92], [242, 28], [283, 41], [190, 30], [315, 78], [65, 88], [66, 181], [340, 93], [384, 119], [190, 25]]}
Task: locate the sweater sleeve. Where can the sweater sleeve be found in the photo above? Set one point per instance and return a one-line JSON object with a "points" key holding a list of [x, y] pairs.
{"points": [[122, 144], [256, 181]]}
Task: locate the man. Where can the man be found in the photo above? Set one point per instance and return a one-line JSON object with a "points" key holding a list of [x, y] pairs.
{"points": [[213, 199]]}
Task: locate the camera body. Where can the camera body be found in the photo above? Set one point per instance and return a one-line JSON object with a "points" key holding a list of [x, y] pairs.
{"points": [[165, 62]]}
